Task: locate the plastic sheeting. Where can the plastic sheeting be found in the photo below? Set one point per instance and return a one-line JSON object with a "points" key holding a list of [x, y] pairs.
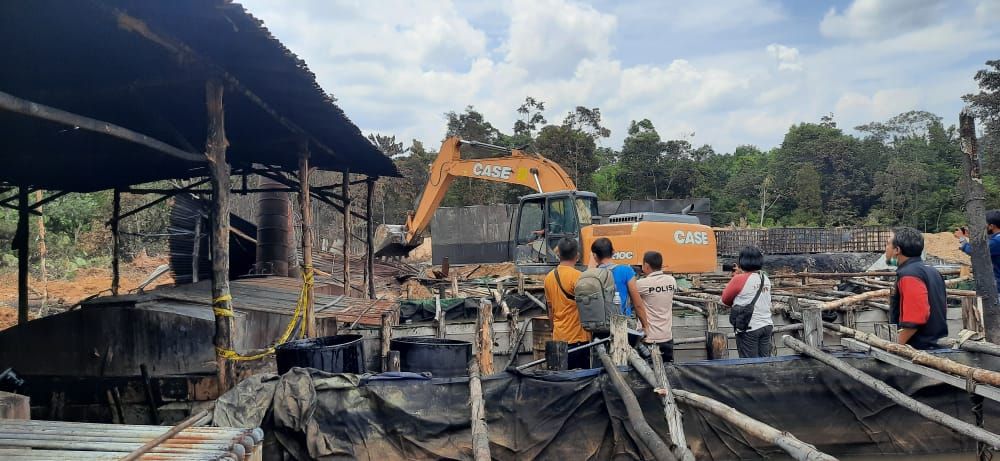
{"points": [[578, 415]]}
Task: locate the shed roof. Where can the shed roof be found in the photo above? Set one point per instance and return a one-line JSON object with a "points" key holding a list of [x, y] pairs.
{"points": [[144, 65]]}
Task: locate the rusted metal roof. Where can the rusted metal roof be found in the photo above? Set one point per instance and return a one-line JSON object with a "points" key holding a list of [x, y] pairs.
{"points": [[143, 65], [56, 440]]}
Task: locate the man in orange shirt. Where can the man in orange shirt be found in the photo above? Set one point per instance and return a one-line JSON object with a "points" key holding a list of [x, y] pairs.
{"points": [[560, 284]]}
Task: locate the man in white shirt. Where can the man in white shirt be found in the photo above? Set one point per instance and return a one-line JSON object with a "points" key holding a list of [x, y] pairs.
{"points": [[657, 292]]}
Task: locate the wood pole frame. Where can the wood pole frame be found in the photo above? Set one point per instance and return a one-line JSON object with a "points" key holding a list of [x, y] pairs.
{"points": [[955, 424], [346, 191], [215, 149], [370, 238], [21, 244], [116, 241], [305, 205], [21, 106], [657, 377], [480, 431], [971, 183]]}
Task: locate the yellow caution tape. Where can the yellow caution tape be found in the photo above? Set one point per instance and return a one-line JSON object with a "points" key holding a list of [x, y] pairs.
{"points": [[222, 299], [300, 307]]}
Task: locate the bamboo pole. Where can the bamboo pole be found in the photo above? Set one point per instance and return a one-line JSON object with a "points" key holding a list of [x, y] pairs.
{"points": [[21, 244], [116, 241], [480, 431], [646, 435], [920, 357], [305, 205], [796, 448], [346, 192], [896, 396], [657, 377], [370, 238], [42, 252], [971, 184], [971, 346], [215, 149]]}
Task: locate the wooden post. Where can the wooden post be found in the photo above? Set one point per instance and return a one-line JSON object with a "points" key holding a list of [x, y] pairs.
{"points": [[657, 377], [970, 316], [513, 334], [971, 183], [712, 315], [386, 337], [215, 148], [305, 206], [195, 248], [441, 323], [812, 326], [619, 340], [393, 364], [520, 283], [896, 396], [484, 337], [646, 434], [716, 345], [370, 239], [21, 244], [116, 241], [480, 431], [556, 356], [346, 192], [796, 448], [42, 253], [454, 286]]}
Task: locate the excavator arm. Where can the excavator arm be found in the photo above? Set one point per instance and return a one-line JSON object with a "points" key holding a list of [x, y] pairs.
{"points": [[526, 169]]}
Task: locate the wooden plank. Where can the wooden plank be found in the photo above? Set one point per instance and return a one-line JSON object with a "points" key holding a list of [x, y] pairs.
{"points": [[984, 390]]}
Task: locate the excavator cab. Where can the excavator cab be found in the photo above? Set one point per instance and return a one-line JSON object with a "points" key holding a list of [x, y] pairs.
{"points": [[542, 220]]}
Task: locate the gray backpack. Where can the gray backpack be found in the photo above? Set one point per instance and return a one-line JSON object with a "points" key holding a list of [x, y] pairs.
{"points": [[595, 298]]}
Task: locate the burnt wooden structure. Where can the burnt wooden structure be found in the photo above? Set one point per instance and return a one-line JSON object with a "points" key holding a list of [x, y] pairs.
{"points": [[142, 88]]}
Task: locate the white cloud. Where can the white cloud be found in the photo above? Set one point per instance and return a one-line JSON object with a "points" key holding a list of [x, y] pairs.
{"points": [[787, 57], [550, 37], [880, 18]]}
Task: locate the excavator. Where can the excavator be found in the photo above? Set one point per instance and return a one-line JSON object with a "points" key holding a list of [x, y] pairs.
{"points": [[556, 211]]}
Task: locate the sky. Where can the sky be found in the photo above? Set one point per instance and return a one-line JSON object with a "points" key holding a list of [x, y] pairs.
{"points": [[724, 73]]}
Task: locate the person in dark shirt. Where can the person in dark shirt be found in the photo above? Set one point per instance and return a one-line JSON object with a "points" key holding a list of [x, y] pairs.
{"points": [[993, 229], [919, 299]]}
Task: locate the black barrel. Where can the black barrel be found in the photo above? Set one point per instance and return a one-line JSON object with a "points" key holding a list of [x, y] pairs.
{"points": [[335, 354], [444, 358]]}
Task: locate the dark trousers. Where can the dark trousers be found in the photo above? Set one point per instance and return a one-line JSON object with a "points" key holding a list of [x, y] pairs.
{"points": [[666, 350], [579, 359], [756, 343]]}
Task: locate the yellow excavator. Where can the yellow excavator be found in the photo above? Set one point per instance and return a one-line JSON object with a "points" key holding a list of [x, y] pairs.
{"points": [[556, 211]]}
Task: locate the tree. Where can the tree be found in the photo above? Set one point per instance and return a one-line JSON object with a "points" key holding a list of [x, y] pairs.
{"points": [[986, 106], [530, 117], [639, 162], [387, 144], [585, 122]]}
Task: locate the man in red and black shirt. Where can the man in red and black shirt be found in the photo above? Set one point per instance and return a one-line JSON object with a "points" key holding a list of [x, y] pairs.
{"points": [[919, 299]]}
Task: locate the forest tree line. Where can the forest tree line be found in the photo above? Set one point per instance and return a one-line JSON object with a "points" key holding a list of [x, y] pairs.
{"points": [[900, 171]]}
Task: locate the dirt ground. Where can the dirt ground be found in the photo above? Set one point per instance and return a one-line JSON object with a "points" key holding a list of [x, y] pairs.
{"points": [[944, 245], [65, 293]]}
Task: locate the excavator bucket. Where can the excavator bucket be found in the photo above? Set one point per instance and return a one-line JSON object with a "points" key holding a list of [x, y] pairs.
{"points": [[391, 240]]}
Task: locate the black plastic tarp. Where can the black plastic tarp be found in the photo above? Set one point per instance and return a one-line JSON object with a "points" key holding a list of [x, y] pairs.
{"points": [[578, 415]]}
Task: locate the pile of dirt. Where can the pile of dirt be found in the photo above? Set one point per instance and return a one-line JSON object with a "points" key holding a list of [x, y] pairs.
{"points": [[421, 253], [944, 246]]}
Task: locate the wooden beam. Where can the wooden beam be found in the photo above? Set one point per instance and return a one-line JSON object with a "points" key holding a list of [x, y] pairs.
{"points": [[619, 340], [646, 434], [889, 392], [116, 241], [796, 448], [305, 208], [971, 346], [14, 104], [657, 377], [370, 238], [480, 431], [971, 184], [812, 326], [984, 390], [215, 148], [346, 178], [20, 243], [484, 337], [386, 337]]}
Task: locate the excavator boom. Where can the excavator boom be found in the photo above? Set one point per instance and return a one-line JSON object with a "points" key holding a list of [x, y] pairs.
{"points": [[522, 168]]}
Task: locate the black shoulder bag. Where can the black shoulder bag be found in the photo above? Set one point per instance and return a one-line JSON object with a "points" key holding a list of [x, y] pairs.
{"points": [[740, 314], [559, 282]]}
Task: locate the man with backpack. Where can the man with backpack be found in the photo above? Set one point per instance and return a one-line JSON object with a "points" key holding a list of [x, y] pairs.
{"points": [[560, 286], [626, 293]]}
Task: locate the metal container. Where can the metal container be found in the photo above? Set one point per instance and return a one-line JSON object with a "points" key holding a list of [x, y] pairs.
{"points": [[274, 230], [444, 358], [334, 354]]}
